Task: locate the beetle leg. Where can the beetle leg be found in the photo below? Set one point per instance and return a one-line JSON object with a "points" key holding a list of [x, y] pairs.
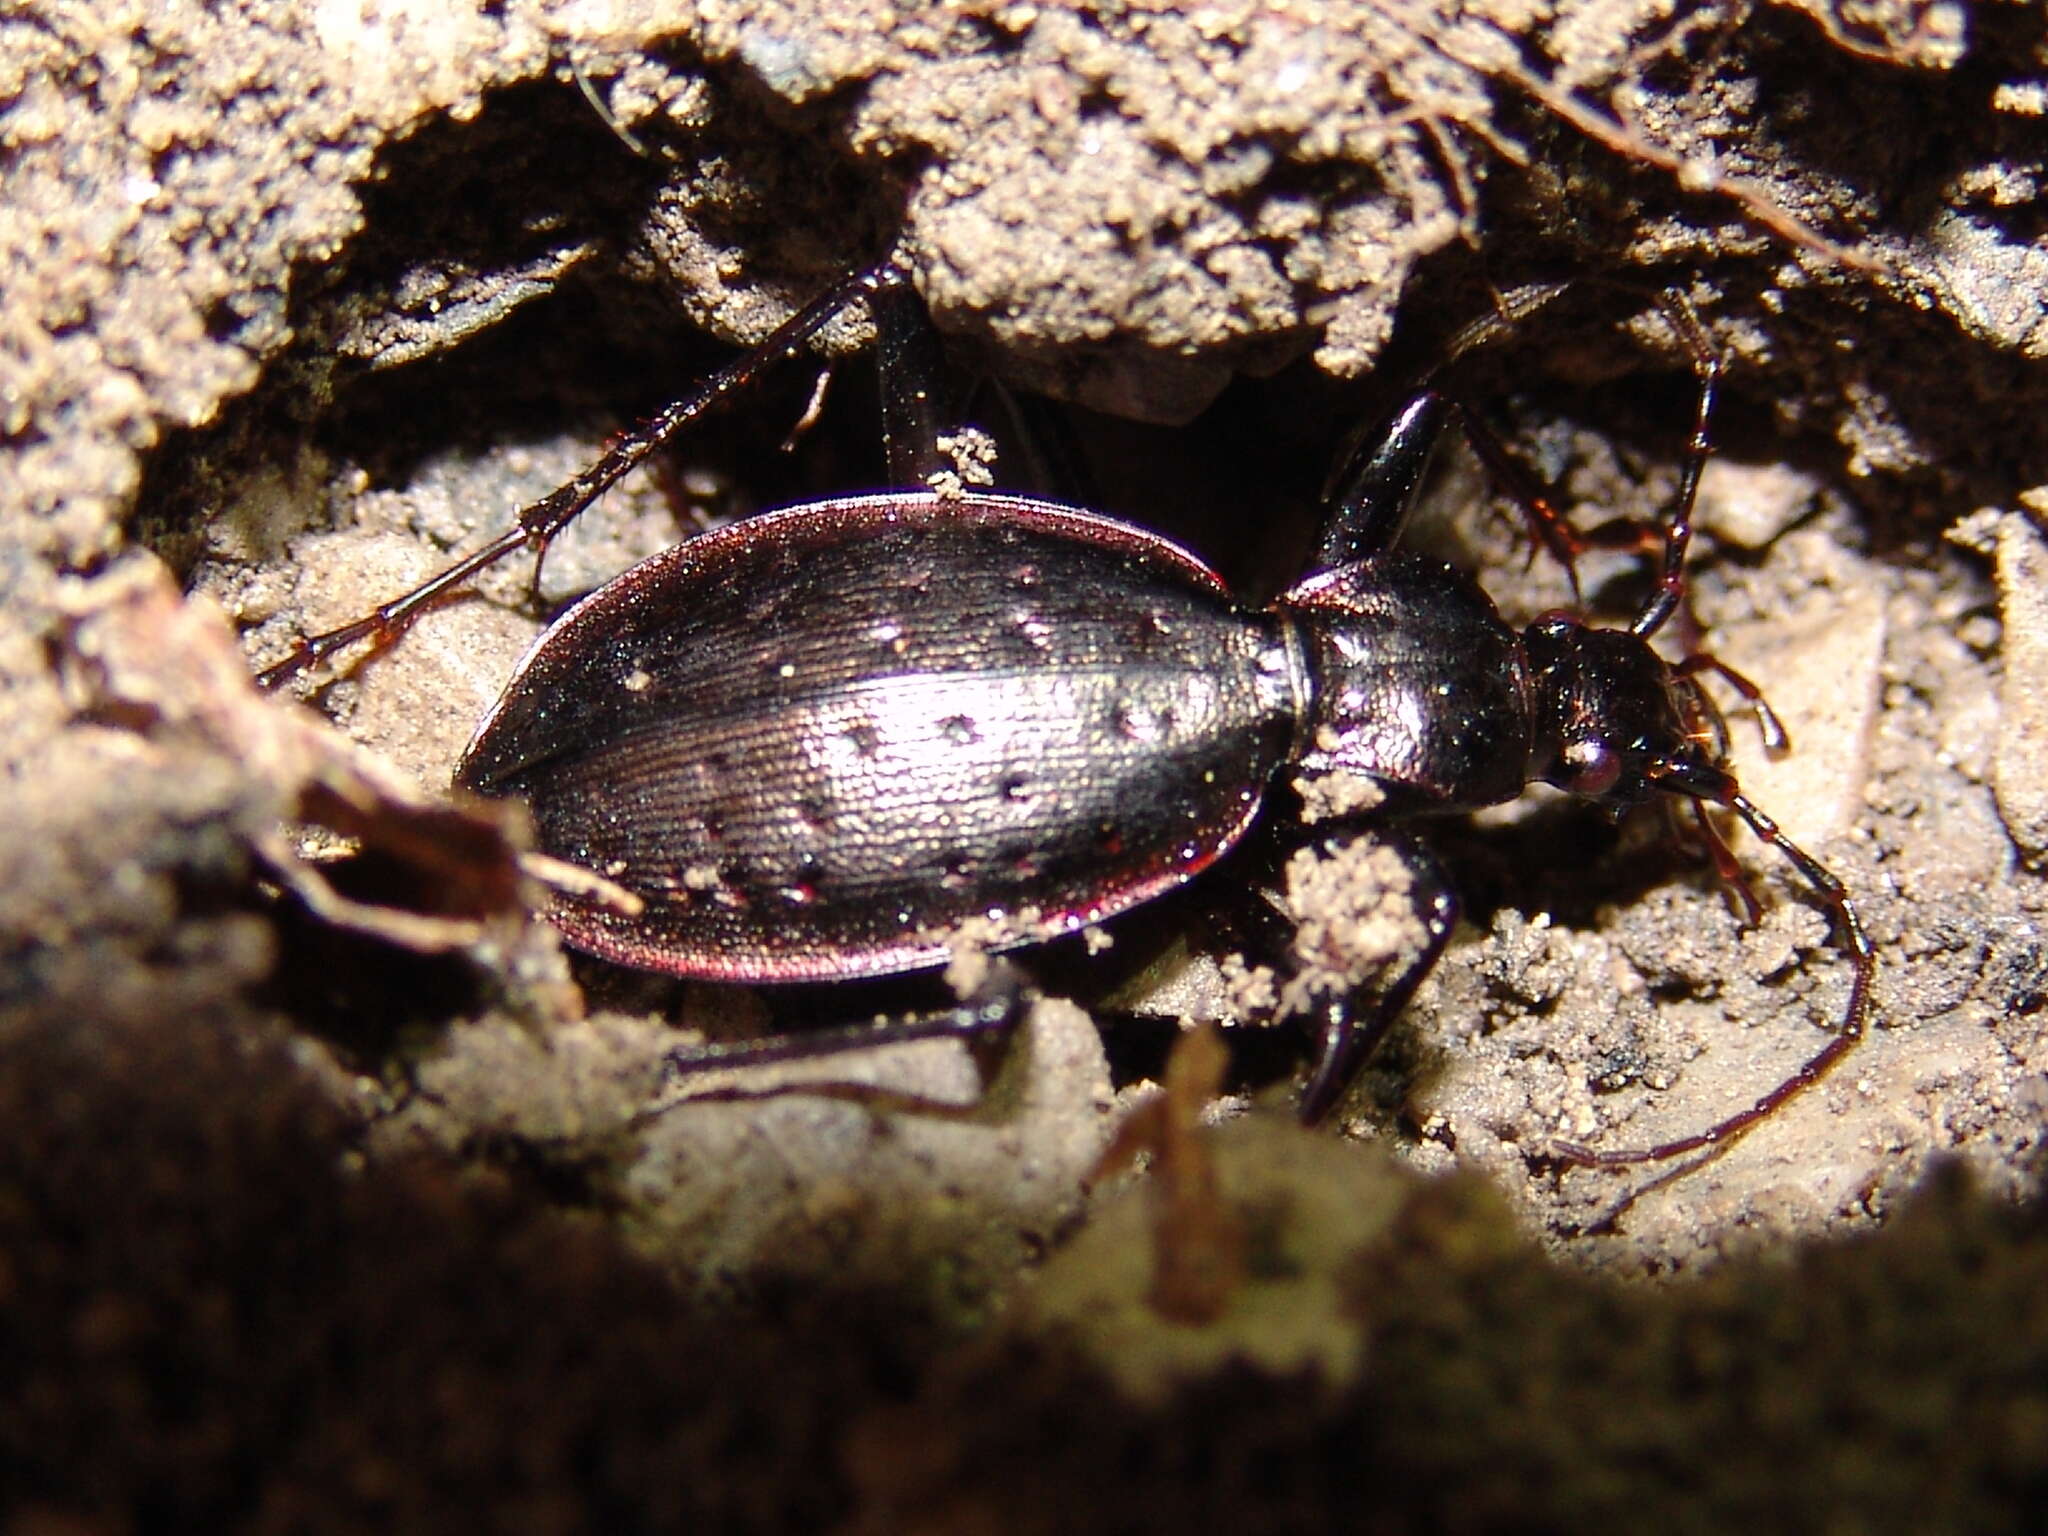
{"points": [[541, 521], [1727, 868], [1545, 521], [1776, 741], [1706, 366], [994, 1005], [1718, 788], [1043, 453], [1548, 524], [1346, 1033], [913, 377], [1370, 497]]}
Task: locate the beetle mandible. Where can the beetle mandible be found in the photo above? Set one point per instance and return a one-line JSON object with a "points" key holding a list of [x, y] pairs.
{"points": [[821, 742]]}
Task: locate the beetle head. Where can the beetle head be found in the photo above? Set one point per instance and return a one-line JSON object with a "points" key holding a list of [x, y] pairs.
{"points": [[1613, 722]]}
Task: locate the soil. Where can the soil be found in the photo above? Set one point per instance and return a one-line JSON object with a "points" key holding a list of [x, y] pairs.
{"points": [[345, 1197]]}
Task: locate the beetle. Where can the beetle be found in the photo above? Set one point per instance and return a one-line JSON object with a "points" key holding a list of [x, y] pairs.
{"points": [[827, 741]]}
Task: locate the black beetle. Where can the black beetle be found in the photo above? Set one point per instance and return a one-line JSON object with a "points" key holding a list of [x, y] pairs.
{"points": [[823, 742]]}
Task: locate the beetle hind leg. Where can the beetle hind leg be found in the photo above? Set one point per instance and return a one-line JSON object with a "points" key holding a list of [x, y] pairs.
{"points": [[992, 1007]]}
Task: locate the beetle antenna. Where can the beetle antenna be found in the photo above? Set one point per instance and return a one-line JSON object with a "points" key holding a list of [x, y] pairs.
{"points": [[1707, 366], [1855, 1016]]}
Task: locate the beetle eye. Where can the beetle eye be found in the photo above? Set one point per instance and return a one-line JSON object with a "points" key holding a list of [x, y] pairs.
{"points": [[1595, 767]]}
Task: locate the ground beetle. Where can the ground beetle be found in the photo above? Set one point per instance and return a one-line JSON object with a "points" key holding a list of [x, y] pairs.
{"points": [[822, 742]]}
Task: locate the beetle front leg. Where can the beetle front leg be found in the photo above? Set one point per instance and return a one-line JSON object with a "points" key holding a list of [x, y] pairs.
{"points": [[1350, 1024], [1363, 918], [1371, 495]]}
